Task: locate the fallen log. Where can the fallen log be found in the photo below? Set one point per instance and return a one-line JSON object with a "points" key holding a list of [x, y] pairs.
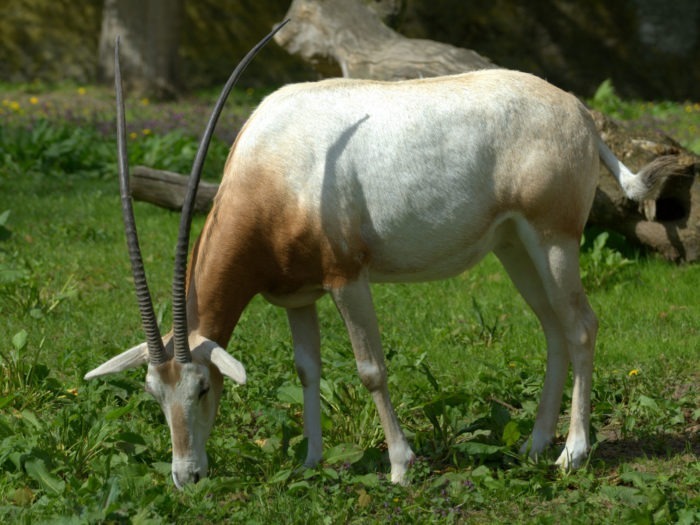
{"points": [[167, 189], [671, 224]]}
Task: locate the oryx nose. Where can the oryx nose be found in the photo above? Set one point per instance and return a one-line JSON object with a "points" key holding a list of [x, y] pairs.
{"points": [[183, 478]]}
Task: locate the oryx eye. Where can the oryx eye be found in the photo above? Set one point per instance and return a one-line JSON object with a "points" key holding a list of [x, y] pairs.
{"points": [[203, 389]]}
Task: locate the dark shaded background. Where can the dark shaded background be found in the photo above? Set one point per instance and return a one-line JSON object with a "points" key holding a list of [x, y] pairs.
{"points": [[650, 49]]}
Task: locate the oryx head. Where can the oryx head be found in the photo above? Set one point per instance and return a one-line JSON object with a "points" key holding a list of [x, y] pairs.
{"points": [[185, 370]]}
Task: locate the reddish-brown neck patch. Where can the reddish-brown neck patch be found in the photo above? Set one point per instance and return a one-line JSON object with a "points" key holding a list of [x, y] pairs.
{"points": [[259, 238]]}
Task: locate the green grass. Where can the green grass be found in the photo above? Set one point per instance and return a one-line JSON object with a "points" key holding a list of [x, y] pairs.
{"points": [[466, 362]]}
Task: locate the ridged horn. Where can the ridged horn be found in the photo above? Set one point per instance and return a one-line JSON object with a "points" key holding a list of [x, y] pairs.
{"points": [[156, 350], [180, 330]]}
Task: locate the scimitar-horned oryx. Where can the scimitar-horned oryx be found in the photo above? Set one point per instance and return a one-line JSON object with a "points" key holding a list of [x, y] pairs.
{"points": [[334, 184]]}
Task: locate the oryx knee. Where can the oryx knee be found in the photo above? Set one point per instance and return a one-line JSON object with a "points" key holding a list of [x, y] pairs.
{"points": [[372, 375], [587, 329], [582, 324]]}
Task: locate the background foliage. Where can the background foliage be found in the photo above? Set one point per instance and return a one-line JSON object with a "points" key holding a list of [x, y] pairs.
{"points": [[54, 40], [647, 47]]}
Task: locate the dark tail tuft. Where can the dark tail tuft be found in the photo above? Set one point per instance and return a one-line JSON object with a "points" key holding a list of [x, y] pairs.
{"points": [[654, 175]]}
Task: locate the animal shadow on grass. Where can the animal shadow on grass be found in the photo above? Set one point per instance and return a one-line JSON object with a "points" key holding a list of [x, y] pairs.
{"points": [[614, 451]]}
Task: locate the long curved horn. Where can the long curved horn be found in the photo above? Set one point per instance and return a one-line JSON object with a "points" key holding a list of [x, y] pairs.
{"points": [[156, 351], [180, 331]]}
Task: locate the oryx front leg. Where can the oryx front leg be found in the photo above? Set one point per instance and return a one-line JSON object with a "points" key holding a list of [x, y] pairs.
{"points": [[307, 358], [354, 302]]}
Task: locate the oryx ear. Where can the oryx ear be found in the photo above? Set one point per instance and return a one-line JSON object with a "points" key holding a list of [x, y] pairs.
{"points": [[225, 362], [228, 365], [131, 358]]}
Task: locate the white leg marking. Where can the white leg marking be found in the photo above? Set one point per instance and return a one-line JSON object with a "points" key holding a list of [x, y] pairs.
{"points": [[354, 302], [307, 358]]}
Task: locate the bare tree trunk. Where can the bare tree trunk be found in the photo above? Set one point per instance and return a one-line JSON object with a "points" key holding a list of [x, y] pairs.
{"points": [[149, 36], [348, 35], [167, 189]]}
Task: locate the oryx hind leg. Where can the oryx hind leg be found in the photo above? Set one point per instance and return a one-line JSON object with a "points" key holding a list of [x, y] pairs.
{"points": [[546, 272], [516, 260], [580, 326], [354, 302]]}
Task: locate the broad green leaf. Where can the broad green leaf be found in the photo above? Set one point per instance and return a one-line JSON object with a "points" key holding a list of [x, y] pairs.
{"points": [[629, 495], [648, 402], [112, 502], [281, 476], [639, 479], [474, 448], [344, 453], [31, 418], [299, 485], [367, 480], [330, 473], [161, 467], [19, 340], [291, 394], [511, 434], [119, 412], [36, 469]]}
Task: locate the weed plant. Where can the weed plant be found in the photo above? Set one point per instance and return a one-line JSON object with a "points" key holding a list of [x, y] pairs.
{"points": [[466, 361]]}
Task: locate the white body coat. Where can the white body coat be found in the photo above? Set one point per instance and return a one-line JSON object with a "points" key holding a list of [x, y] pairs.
{"points": [[425, 171]]}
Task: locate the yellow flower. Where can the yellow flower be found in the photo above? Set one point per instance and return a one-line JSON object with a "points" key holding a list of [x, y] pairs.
{"points": [[82, 91], [72, 391], [633, 372], [146, 131], [33, 100], [145, 101], [133, 135]]}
